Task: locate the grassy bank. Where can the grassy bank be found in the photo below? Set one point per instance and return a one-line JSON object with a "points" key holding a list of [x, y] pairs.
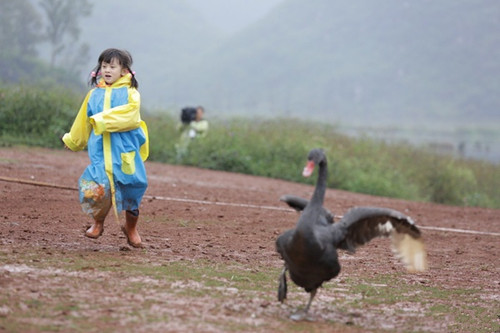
{"points": [[274, 148], [278, 148]]}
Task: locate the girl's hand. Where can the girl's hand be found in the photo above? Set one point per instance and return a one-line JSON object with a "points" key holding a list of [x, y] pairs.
{"points": [[65, 147]]}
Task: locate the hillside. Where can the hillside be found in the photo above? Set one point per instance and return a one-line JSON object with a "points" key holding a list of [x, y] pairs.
{"points": [[360, 62], [396, 63]]}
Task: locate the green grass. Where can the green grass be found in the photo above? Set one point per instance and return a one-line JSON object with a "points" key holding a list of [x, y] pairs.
{"points": [[466, 306], [275, 148]]}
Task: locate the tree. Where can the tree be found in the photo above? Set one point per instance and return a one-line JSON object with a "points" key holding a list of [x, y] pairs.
{"points": [[19, 27], [20, 24], [62, 24]]}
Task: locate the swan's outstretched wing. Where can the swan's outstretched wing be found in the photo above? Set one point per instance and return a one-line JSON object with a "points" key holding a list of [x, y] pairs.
{"points": [[299, 204], [362, 224]]}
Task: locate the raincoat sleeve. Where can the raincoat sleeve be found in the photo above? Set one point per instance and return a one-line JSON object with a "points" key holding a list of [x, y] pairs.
{"points": [[76, 139], [201, 127], [144, 150], [121, 118]]}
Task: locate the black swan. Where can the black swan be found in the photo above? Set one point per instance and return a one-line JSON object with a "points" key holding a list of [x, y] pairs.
{"points": [[310, 249]]}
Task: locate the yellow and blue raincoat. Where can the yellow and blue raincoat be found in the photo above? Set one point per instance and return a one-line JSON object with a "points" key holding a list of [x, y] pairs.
{"points": [[110, 126]]}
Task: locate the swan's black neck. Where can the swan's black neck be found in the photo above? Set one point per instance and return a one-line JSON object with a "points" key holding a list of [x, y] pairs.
{"points": [[319, 192], [305, 234]]}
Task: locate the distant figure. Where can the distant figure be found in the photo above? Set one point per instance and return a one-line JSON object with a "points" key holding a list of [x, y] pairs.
{"points": [[109, 124], [192, 126]]}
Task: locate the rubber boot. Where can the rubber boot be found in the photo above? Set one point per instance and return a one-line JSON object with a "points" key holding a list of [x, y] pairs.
{"points": [[130, 230], [96, 229]]}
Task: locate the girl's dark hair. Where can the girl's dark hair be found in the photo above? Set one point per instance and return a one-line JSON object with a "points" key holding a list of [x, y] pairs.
{"points": [[124, 59]]}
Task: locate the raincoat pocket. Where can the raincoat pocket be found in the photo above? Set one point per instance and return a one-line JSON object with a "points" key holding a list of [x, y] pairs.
{"points": [[128, 163]]}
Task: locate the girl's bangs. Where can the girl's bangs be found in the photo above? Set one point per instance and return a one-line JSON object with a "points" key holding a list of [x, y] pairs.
{"points": [[109, 55]]}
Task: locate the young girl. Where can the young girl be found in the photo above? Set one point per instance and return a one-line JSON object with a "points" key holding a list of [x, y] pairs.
{"points": [[110, 125]]}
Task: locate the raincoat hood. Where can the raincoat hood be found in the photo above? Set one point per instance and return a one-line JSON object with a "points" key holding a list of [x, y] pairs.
{"points": [[124, 81]]}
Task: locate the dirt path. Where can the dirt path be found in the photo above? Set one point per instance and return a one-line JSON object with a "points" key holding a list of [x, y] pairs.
{"points": [[219, 219]]}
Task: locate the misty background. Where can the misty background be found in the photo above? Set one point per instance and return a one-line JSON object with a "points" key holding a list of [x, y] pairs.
{"points": [[420, 71]]}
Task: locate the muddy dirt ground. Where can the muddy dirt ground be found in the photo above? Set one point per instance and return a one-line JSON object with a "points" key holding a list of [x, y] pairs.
{"points": [[194, 216]]}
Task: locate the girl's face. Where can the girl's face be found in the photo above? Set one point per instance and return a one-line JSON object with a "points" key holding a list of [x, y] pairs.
{"points": [[112, 71]]}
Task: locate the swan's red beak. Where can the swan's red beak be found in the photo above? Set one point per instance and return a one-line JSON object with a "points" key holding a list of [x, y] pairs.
{"points": [[308, 169]]}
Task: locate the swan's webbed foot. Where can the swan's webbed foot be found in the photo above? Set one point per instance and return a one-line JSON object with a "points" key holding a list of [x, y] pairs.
{"points": [[304, 313], [301, 315]]}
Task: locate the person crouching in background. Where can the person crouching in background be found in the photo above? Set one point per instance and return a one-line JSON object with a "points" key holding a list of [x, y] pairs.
{"points": [[192, 126]]}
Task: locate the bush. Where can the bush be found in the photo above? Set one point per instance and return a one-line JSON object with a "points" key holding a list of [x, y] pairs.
{"points": [[452, 184], [36, 117], [372, 178], [275, 148], [278, 148], [162, 137]]}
